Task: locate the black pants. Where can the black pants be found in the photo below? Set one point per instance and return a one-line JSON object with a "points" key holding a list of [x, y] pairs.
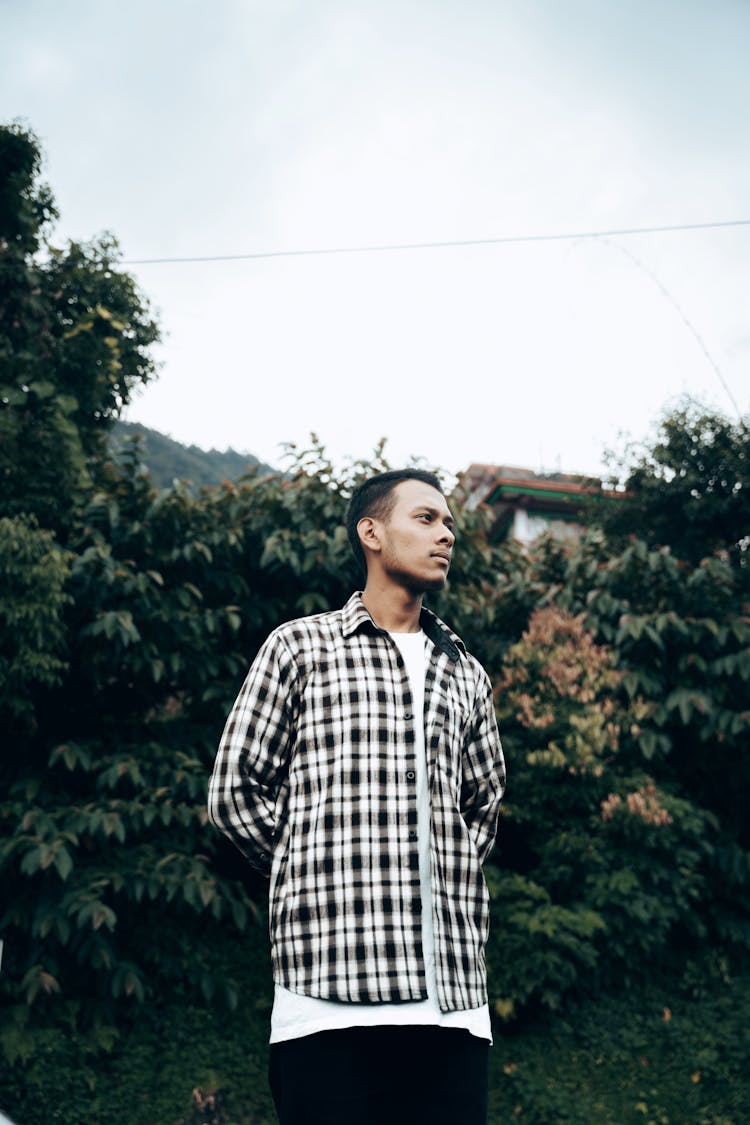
{"points": [[381, 1076]]}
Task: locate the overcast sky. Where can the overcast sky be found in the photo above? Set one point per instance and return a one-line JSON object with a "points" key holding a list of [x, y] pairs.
{"points": [[252, 126]]}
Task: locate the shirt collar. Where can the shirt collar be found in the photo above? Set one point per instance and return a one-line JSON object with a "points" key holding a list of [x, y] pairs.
{"points": [[354, 616]]}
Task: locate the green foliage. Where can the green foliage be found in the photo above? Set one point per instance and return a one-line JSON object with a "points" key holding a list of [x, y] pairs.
{"points": [[100, 908], [26, 205], [106, 826], [101, 333], [611, 869], [649, 873], [689, 489], [546, 945], [33, 573], [146, 1067], [654, 1054], [681, 632], [74, 343]]}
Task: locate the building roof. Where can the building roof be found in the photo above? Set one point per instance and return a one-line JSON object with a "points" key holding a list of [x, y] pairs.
{"points": [[498, 484]]}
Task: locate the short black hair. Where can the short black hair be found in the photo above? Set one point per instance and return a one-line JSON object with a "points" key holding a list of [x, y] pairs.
{"points": [[374, 497]]}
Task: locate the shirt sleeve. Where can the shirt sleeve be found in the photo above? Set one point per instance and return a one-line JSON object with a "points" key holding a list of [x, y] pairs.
{"points": [[483, 777], [253, 757]]}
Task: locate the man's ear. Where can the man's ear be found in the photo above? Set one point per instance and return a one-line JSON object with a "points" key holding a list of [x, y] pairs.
{"points": [[369, 535]]}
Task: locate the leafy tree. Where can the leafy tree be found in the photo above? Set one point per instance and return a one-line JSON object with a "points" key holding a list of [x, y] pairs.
{"points": [[107, 860], [689, 489], [681, 632], [74, 343], [33, 575], [588, 885], [26, 204]]}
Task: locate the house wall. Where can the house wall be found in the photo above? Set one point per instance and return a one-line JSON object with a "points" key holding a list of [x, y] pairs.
{"points": [[527, 526]]}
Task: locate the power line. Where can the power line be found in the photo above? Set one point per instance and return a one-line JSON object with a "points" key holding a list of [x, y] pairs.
{"points": [[641, 265], [389, 247]]}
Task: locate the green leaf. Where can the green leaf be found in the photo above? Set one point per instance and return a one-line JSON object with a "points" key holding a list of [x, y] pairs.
{"points": [[102, 915], [14, 396], [31, 862], [63, 863], [648, 744], [42, 388]]}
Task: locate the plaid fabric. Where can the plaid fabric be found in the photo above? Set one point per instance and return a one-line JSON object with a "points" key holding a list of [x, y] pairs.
{"points": [[315, 782]]}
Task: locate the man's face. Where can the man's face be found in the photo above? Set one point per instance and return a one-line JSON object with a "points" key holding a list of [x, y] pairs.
{"points": [[417, 537]]}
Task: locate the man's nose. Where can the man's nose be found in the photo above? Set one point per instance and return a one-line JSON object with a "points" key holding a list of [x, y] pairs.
{"points": [[447, 536]]}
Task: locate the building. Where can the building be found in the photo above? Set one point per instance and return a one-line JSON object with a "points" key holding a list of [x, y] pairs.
{"points": [[528, 504]]}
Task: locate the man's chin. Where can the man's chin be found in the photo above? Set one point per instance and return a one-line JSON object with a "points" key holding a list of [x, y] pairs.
{"points": [[418, 584], [426, 585], [439, 583]]}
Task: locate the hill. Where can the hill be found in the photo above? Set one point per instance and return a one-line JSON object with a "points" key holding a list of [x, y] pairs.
{"points": [[166, 460]]}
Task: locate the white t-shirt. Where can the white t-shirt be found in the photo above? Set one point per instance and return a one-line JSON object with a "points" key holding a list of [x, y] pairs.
{"points": [[295, 1015]]}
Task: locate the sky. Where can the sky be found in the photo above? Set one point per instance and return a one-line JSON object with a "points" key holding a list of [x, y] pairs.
{"points": [[276, 126]]}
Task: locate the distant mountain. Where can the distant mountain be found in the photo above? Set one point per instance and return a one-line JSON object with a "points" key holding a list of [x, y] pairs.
{"points": [[165, 459]]}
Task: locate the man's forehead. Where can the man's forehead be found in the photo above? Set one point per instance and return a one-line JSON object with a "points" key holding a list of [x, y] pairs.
{"points": [[416, 493]]}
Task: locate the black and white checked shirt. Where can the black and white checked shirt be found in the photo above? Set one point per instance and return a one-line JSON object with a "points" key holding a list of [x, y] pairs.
{"points": [[315, 782]]}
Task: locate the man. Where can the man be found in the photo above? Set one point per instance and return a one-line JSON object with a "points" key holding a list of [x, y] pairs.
{"points": [[361, 768]]}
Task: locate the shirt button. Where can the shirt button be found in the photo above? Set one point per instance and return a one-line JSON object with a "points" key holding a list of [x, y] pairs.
{"points": [[412, 833], [410, 775], [408, 714]]}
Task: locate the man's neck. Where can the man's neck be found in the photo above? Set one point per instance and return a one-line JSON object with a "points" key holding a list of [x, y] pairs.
{"points": [[392, 608]]}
